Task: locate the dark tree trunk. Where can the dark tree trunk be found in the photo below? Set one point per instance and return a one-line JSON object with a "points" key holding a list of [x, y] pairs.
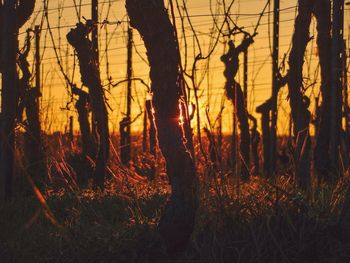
{"points": [[90, 76], [322, 11], [33, 144], [9, 94], [34, 147], [150, 18], [298, 102], [264, 109], [235, 94], [82, 105]]}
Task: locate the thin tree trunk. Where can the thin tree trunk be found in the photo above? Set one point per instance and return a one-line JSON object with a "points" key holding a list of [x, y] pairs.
{"points": [[212, 149], [150, 18], [255, 139], [90, 76], [299, 103], [322, 11]]}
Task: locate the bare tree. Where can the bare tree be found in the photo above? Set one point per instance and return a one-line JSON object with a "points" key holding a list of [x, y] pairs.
{"points": [[150, 18], [298, 102], [266, 122], [235, 94], [83, 106], [90, 76], [29, 101]]}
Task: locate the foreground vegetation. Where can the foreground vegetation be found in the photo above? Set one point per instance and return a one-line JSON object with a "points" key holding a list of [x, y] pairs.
{"points": [[259, 221]]}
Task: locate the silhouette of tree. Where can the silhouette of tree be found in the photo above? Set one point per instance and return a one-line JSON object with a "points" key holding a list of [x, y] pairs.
{"points": [[150, 18], [90, 76], [29, 101], [234, 93], [298, 102]]}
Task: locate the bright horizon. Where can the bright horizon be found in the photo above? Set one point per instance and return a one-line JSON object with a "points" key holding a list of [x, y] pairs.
{"points": [[55, 95]]}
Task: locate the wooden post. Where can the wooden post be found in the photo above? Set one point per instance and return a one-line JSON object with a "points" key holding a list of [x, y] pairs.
{"points": [[95, 50], [245, 76], [125, 146], [129, 95], [275, 72], [37, 31], [94, 32]]}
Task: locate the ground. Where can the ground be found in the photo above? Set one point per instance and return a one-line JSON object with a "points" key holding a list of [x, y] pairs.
{"points": [[258, 221]]}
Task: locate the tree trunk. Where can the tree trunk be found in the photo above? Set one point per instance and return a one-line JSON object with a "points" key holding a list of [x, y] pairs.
{"points": [[90, 76], [264, 109], [150, 18], [9, 94], [33, 144], [298, 102], [82, 106], [322, 11], [235, 94], [34, 148]]}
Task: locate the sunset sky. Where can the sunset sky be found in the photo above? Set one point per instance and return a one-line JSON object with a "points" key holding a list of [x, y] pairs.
{"points": [[113, 38]]}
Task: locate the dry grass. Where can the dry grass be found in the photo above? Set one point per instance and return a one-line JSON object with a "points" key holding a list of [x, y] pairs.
{"points": [[259, 221]]}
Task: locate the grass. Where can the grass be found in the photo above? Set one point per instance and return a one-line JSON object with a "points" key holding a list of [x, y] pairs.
{"points": [[259, 221]]}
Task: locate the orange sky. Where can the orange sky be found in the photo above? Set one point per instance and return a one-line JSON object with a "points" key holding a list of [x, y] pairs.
{"points": [[63, 16]]}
